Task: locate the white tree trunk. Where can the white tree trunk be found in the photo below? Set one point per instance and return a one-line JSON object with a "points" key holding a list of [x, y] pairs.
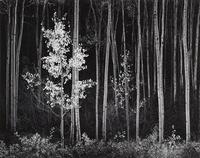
{"points": [[105, 97], [186, 71]]}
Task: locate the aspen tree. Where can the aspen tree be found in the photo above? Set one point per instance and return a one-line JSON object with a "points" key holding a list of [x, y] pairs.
{"points": [[8, 64], [159, 47], [138, 72], [105, 96], [13, 109], [175, 49], [196, 50], [186, 71], [18, 52], [126, 75]]}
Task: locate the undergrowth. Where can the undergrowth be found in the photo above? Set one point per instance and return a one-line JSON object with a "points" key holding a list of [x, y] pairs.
{"points": [[36, 146]]}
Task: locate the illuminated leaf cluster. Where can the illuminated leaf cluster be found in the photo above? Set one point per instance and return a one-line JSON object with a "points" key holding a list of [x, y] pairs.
{"points": [[124, 74], [59, 65]]}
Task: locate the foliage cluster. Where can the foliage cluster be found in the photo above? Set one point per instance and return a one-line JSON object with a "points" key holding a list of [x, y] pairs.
{"points": [[36, 146], [59, 65], [124, 74], [32, 147]]}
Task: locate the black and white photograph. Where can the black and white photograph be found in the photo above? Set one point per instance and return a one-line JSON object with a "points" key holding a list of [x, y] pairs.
{"points": [[99, 79]]}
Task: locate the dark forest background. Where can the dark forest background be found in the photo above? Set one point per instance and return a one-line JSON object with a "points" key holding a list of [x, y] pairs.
{"points": [[162, 38]]}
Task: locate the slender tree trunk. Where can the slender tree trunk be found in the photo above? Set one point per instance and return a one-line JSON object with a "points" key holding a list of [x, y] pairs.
{"points": [[175, 49], [13, 68], [115, 46], [2, 112], [97, 71], [161, 95], [39, 50], [37, 44], [190, 40], [181, 62], [78, 127], [196, 50], [152, 66], [145, 49], [75, 44], [1, 108], [75, 72], [147, 58], [159, 57], [187, 71], [133, 41], [114, 56], [72, 127], [148, 73], [37, 26], [143, 89], [194, 67], [99, 51], [164, 22], [154, 73], [62, 116], [199, 111], [8, 67], [18, 54], [126, 75], [48, 16], [62, 129], [148, 67], [196, 64], [105, 97], [138, 73]]}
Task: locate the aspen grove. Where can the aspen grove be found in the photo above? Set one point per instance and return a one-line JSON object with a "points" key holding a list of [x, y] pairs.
{"points": [[100, 78]]}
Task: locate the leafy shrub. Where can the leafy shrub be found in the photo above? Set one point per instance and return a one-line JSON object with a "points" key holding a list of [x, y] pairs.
{"points": [[196, 145], [189, 152], [37, 147], [150, 147], [174, 139], [96, 149], [3, 149], [34, 147], [88, 148], [86, 140], [14, 151], [125, 149], [120, 136]]}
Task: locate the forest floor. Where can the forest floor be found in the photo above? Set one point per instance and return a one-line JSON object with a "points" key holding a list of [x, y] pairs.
{"points": [[36, 146]]}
